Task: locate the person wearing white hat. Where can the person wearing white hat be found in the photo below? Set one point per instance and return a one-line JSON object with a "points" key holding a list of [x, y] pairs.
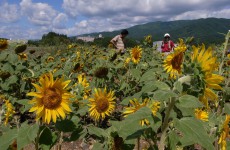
{"points": [[167, 44]]}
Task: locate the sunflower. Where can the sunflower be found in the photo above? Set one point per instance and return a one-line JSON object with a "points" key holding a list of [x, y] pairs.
{"points": [[102, 104], [127, 60], [135, 106], [22, 56], [204, 58], [181, 46], [78, 55], [173, 62], [3, 44], [136, 53], [202, 115], [155, 106], [148, 39], [83, 81], [206, 64], [51, 99], [225, 133], [9, 111]]}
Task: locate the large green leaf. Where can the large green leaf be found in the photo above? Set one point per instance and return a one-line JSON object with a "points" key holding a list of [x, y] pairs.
{"points": [[47, 138], [161, 85], [8, 67], [3, 56], [130, 127], [92, 130], [12, 79], [227, 108], [193, 132], [178, 86], [26, 134], [162, 95], [65, 125], [24, 102], [97, 146], [189, 101], [148, 76], [13, 58], [135, 73], [7, 138], [149, 87], [173, 139]]}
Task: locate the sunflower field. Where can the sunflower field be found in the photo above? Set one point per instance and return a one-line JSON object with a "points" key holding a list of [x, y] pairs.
{"points": [[87, 97]]}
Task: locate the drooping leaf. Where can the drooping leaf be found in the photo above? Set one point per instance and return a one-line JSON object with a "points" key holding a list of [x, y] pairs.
{"points": [[26, 134], [47, 138], [162, 95], [65, 125], [193, 132], [7, 138], [189, 101]]}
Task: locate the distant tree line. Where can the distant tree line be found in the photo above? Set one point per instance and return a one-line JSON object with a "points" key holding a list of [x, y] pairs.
{"points": [[51, 39], [55, 39]]}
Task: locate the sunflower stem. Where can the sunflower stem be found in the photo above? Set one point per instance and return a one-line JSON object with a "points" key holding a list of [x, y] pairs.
{"points": [[138, 143], [165, 123], [60, 141], [224, 51], [38, 136]]}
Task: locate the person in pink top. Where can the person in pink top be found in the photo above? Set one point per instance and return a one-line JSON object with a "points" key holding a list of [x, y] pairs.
{"points": [[167, 44]]}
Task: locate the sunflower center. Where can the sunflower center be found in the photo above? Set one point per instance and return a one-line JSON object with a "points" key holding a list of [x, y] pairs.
{"points": [[136, 55], [177, 61], [52, 98], [102, 104]]}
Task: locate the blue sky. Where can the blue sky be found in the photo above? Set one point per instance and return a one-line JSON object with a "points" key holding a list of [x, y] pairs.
{"points": [[30, 19]]}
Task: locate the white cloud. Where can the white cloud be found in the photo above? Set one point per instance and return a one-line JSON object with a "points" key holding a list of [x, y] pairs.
{"points": [[38, 13], [60, 21], [9, 12], [224, 13], [86, 16]]}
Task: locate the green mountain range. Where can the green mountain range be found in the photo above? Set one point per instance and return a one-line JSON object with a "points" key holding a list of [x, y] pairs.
{"points": [[203, 30]]}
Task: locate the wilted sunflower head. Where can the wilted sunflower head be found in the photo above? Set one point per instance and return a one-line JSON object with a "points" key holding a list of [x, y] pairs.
{"points": [[101, 104], [136, 53], [4, 74], [50, 59], [3, 44], [51, 99], [32, 51], [63, 59], [101, 72], [20, 48], [77, 67]]}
